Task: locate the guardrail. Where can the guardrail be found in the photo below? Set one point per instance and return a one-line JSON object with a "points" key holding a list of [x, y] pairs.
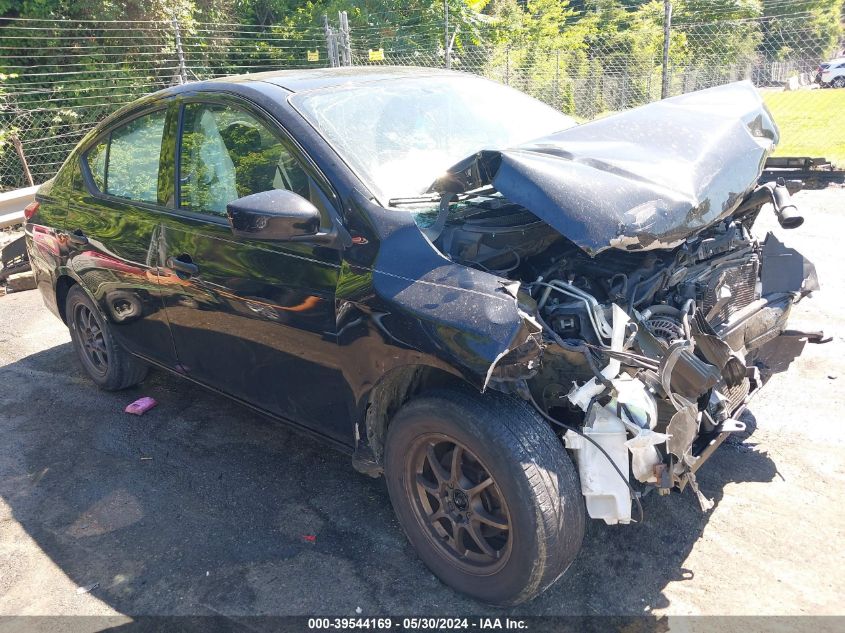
{"points": [[12, 204]]}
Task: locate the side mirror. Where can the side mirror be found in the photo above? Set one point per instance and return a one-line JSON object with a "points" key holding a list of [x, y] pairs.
{"points": [[277, 214]]}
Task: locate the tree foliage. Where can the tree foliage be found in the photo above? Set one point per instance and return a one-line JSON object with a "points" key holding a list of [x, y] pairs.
{"points": [[582, 56]]}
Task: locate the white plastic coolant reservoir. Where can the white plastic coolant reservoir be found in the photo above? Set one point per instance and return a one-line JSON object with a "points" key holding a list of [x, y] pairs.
{"points": [[606, 494]]}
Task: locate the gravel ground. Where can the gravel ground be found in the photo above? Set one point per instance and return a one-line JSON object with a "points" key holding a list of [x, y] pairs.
{"points": [[201, 507]]}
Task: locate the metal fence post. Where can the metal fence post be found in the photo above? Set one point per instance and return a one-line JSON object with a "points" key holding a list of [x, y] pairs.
{"points": [[508, 65], [331, 43], [447, 48], [557, 80], [625, 85], [183, 72], [345, 40], [667, 32]]}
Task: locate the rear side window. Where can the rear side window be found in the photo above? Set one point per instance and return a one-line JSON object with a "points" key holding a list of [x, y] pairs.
{"points": [[126, 164], [227, 154]]}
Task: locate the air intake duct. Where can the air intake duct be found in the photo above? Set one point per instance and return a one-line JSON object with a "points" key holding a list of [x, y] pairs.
{"points": [[778, 195], [787, 213]]}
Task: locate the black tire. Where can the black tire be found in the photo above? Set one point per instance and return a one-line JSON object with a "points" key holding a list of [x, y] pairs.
{"points": [[839, 82], [535, 487], [110, 366]]}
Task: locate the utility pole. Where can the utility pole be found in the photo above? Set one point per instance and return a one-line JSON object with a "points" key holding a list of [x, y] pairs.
{"points": [[446, 44], [667, 30]]}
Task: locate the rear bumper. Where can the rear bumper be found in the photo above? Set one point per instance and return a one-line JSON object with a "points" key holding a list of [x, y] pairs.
{"points": [[44, 260]]}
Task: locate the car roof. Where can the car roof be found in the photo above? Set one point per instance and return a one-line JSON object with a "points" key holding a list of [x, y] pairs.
{"points": [[301, 80]]}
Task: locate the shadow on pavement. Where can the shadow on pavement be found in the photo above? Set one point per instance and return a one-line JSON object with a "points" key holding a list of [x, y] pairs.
{"points": [[202, 507]]}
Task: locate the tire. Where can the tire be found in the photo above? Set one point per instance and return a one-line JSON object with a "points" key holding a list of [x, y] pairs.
{"points": [[839, 82], [534, 491], [110, 366]]}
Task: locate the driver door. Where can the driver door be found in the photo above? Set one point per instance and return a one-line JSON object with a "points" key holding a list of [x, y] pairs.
{"points": [[254, 319]]}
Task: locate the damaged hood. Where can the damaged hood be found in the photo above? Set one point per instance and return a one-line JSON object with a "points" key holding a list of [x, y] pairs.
{"points": [[643, 179]]}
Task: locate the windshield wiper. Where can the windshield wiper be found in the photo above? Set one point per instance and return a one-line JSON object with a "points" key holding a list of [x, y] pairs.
{"points": [[432, 197], [481, 192]]}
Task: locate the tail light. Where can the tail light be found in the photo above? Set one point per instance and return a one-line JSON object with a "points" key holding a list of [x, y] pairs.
{"points": [[30, 210]]}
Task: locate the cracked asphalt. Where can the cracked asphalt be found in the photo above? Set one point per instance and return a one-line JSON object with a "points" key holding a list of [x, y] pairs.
{"points": [[203, 507]]}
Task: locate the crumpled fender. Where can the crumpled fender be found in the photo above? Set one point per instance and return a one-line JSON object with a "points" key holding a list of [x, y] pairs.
{"points": [[466, 317]]}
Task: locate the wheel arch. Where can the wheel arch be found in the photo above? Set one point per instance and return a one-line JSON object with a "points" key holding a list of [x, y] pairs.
{"points": [[387, 396], [63, 285]]}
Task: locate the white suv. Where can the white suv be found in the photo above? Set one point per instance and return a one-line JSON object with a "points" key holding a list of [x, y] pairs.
{"points": [[832, 73]]}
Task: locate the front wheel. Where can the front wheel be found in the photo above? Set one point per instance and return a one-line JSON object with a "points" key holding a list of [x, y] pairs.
{"points": [[839, 82], [485, 492]]}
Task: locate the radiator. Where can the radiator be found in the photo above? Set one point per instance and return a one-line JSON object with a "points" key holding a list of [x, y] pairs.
{"points": [[740, 280]]}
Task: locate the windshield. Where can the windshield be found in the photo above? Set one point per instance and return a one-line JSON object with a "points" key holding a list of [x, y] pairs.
{"points": [[401, 135]]}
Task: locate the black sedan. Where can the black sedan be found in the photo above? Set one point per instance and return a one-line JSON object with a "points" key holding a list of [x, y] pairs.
{"points": [[518, 321]]}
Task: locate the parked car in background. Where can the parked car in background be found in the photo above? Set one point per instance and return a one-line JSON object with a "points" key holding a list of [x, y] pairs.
{"points": [[832, 73], [517, 320]]}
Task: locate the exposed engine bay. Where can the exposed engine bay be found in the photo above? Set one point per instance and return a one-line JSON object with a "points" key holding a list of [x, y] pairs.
{"points": [[644, 359], [647, 305]]}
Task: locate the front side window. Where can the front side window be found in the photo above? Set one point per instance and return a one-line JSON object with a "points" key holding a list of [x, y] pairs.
{"points": [[126, 164], [227, 154]]}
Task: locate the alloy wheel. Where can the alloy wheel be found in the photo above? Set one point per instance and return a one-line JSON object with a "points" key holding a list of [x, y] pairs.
{"points": [[458, 503], [92, 341]]}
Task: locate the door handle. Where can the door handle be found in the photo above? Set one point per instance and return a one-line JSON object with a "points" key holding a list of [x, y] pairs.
{"points": [[77, 237], [181, 265]]}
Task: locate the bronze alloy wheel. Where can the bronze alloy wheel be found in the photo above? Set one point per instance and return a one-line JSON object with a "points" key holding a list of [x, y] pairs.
{"points": [[458, 504], [92, 341]]}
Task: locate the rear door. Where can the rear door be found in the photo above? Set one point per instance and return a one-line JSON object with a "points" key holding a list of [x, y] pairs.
{"points": [[112, 226], [254, 319]]}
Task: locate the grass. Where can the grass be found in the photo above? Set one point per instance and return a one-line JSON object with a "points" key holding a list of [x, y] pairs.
{"points": [[810, 123]]}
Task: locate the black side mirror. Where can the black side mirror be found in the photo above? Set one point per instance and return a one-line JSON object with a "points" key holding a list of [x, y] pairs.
{"points": [[277, 214]]}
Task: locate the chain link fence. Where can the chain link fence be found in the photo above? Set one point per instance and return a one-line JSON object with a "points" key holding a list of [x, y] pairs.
{"points": [[59, 78]]}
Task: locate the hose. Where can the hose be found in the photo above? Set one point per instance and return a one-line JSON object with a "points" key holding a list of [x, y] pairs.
{"points": [[588, 300]]}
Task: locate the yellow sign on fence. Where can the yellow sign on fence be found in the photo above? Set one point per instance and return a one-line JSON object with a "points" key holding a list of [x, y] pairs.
{"points": [[377, 56], [313, 56]]}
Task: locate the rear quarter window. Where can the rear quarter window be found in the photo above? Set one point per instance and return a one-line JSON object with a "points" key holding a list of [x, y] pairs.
{"points": [[134, 155], [96, 159]]}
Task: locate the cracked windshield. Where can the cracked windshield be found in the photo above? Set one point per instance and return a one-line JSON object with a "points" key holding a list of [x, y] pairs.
{"points": [[400, 136]]}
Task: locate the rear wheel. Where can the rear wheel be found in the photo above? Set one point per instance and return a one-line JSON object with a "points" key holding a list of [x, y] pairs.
{"points": [[108, 365], [485, 493], [839, 82]]}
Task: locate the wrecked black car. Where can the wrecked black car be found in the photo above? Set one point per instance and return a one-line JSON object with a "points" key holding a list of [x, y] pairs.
{"points": [[518, 321]]}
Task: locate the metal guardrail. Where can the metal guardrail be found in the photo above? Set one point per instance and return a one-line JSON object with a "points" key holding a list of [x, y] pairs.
{"points": [[12, 204]]}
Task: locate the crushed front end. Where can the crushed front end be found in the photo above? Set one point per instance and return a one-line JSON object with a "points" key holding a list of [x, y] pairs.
{"points": [[654, 304], [668, 347]]}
